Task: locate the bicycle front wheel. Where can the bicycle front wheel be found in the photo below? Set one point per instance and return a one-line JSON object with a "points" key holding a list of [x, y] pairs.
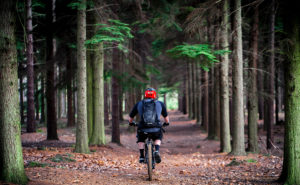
{"points": [[149, 161]]}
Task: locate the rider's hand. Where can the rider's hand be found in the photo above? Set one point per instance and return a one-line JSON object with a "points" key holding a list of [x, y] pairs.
{"points": [[166, 124], [132, 123]]}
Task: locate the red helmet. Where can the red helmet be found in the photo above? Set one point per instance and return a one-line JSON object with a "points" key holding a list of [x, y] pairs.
{"points": [[150, 93]]}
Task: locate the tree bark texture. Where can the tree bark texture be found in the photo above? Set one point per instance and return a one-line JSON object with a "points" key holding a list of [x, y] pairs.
{"points": [[21, 99], [190, 91], [37, 100], [271, 82], [31, 127], [81, 126], [260, 88], [211, 124], [90, 94], [224, 86], [291, 163], [205, 101], [11, 157], [50, 83], [194, 83], [184, 95], [238, 147], [98, 136], [42, 99], [115, 97], [106, 105], [198, 95], [252, 89], [70, 110]]}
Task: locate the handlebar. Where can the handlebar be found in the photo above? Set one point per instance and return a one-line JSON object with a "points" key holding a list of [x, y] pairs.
{"points": [[134, 124]]}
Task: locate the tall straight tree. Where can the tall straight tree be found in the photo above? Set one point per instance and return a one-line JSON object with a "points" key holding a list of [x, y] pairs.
{"points": [[252, 88], [115, 137], [238, 147], [224, 87], [81, 126], [50, 83], [291, 162], [11, 158], [98, 131], [269, 117], [31, 127], [70, 109]]}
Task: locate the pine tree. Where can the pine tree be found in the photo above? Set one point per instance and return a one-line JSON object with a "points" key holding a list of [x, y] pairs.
{"points": [[81, 126], [11, 157]]}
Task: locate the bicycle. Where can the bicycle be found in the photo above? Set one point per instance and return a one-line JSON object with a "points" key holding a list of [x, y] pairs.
{"points": [[149, 148]]}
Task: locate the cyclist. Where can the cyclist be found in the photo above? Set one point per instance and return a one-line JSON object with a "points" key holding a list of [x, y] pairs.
{"points": [[149, 110]]}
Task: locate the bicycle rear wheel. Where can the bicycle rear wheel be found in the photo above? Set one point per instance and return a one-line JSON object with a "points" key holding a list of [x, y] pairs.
{"points": [[149, 161]]}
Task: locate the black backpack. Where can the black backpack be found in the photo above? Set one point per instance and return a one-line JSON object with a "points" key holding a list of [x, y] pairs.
{"points": [[149, 113]]}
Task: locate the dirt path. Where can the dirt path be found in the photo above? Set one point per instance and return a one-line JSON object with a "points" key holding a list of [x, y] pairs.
{"points": [[187, 158]]}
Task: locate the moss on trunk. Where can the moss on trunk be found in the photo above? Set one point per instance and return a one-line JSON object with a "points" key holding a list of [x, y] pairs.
{"points": [[11, 157]]}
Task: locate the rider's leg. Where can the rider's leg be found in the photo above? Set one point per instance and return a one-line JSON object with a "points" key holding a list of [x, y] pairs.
{"points": [[157, 144], [141, 148]]}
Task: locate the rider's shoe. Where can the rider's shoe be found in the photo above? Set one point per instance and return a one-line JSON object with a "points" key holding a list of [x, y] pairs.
{"points": [[157, 157], [142, 160]]}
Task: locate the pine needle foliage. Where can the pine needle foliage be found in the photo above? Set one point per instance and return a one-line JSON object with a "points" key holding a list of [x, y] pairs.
{"points": [[196, 51], [113, 32]]}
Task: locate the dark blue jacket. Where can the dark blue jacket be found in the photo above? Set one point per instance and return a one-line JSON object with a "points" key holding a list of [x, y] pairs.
{"points": [[138, 109]]}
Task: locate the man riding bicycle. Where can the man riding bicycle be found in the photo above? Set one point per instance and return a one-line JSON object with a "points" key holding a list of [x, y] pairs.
{"points": [[149, 110]]}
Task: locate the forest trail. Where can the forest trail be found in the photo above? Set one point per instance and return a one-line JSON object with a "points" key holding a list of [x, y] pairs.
{"points": [[187, 158]]}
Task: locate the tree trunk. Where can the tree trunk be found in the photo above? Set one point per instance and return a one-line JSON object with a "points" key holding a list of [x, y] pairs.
{"points": [[81, 126], [37, 100], [205, 102], [50, 84], [194, 81], [184, 96], [98, 137], [121, 103], [190, 90], [271, 87], [42, 99], [31, 127], [11, 158], [211, 126], [224, 87], [70, 111], [21, 99], [277, 95], [198, 94], [90, 94], [260, 88], [253, 96], [106, 106], [115, 138], [238, 147], [291, 162]]}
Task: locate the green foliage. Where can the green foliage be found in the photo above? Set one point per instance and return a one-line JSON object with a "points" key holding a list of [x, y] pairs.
{"points": [[196, 51], [33, 164], [234, 162], [251, 160], [113, 32], [157, 47], [63, 158], [78, 5]]}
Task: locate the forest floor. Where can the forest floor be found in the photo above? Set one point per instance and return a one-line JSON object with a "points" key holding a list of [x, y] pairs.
{"points": [[187, 158]]}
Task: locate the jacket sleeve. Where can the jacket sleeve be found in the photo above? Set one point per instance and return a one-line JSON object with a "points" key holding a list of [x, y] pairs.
{"points": [[134, 111], [164, 112]]}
